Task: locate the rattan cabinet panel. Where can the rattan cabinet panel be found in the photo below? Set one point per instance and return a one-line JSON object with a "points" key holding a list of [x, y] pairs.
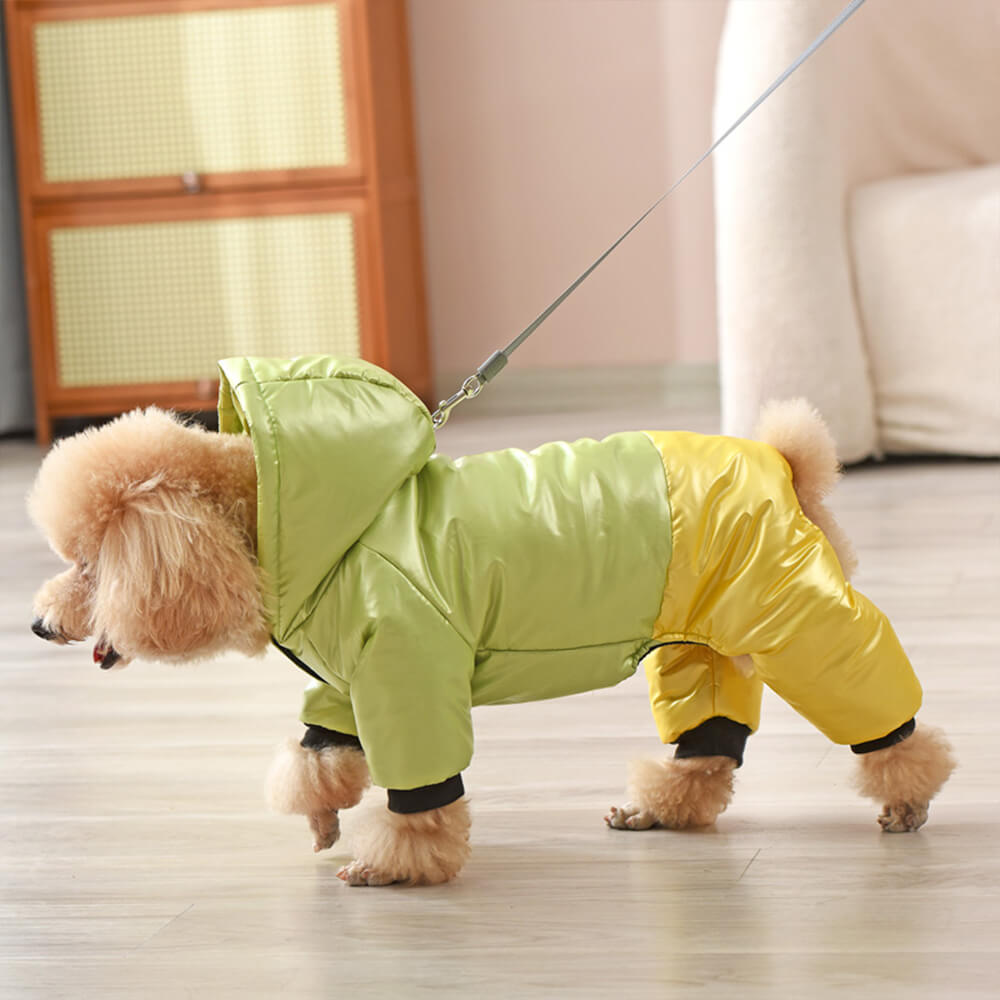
{"points": [[216, 91], [164, 301]]}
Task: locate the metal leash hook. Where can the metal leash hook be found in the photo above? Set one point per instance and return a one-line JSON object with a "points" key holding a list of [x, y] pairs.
{"points": [[471, 387]]}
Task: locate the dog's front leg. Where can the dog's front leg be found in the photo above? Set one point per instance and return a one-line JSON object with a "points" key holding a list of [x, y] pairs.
{"points": [[316, 779], [421, 848]]}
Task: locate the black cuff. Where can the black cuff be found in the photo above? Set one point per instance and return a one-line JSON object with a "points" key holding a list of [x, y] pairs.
{"points": [[417, 800], [318, 738], [890, 740], [716, 737]]}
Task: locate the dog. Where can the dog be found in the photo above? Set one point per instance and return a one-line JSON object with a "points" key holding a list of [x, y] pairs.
{"points": [[410, 587]]}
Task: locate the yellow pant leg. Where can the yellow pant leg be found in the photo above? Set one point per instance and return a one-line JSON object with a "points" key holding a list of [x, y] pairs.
{"points": [[750, 574], [691, 684], [834, 657]]}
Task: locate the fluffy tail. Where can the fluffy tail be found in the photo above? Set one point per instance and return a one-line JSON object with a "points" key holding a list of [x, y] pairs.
{"points": [[797, 430]]}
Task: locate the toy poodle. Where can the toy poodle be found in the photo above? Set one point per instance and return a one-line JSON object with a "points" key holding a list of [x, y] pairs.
{"points": [[410, 587]]}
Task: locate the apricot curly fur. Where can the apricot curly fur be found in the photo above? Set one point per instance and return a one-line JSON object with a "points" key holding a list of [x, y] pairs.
{"points": [[424, 848], [308, 782], [683, 793], [317, 784], [158, 520], [910, 772], [797, 430]]}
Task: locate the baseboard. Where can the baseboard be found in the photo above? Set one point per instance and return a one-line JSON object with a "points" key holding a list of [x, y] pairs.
{"points": [[554, 390]]}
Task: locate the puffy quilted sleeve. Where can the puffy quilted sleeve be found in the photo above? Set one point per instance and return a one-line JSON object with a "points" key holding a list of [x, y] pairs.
{"points": [[411, 690], [328, 707]]}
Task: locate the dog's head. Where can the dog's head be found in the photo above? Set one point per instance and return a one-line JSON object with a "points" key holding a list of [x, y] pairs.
{"points": [[156, 521]]}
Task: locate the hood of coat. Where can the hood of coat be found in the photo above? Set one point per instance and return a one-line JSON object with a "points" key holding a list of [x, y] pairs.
{"points": [[333, 440]]}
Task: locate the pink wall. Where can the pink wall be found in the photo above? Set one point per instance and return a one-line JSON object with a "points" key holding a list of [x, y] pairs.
{"points": [[545, 127]]}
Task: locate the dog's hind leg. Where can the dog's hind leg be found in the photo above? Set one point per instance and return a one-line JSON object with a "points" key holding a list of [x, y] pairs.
{"points": [[905, 776], [692, 789], [676, 794], [707, 704], [630, 816]]}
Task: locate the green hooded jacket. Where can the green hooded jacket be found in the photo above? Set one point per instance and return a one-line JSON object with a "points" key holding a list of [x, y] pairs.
{"points": [[413, 586]]}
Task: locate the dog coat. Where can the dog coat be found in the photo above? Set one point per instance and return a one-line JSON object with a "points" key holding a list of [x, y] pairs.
{"points": [[413, 587]]}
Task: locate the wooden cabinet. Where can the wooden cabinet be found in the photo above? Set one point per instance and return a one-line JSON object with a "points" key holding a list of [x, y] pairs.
{"points": [[202, 178]]}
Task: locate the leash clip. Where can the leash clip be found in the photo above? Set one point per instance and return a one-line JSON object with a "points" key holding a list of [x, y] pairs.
{"points": [[471, 387]]}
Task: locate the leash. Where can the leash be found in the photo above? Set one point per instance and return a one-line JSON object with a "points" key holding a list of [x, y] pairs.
{"points": [[497, 361]]}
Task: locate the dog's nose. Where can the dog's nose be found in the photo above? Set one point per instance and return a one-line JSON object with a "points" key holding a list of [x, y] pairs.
{"points": [[38, 627]]}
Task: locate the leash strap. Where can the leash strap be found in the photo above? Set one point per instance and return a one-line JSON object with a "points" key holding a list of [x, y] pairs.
{"points": [[497, 361]]}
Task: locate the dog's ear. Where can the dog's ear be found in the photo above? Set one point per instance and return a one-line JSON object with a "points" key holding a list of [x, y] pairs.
{"points": [[175, 577]]}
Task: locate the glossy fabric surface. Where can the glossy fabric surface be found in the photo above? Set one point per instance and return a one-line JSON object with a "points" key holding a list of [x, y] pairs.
{"points": [[750, 574], [417, 586], [333, 440]]}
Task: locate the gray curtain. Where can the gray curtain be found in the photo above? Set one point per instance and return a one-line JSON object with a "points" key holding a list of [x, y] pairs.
{"points": [[16, 410]]}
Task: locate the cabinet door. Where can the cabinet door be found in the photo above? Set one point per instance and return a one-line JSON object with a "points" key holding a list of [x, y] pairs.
{"points": [[153, 98], [148, 301]]}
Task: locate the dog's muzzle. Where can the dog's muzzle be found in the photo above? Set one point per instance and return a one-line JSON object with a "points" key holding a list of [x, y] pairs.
{"points": [[105, 655], [43, 632]]}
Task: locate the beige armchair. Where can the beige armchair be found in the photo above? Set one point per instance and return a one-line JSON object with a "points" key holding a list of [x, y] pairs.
{"points": [[858, 222]]}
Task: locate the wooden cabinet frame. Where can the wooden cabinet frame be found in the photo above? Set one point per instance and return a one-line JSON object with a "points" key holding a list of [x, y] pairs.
{"points": [[377, 184]]}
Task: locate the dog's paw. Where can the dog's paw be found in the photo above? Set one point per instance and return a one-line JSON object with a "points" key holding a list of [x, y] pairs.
{"points": [[361, 873], [325, 829], [903, 817], [629, 817]]}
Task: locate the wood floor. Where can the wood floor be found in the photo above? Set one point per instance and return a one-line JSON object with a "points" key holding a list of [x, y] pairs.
{"points": [[138, 860]]}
